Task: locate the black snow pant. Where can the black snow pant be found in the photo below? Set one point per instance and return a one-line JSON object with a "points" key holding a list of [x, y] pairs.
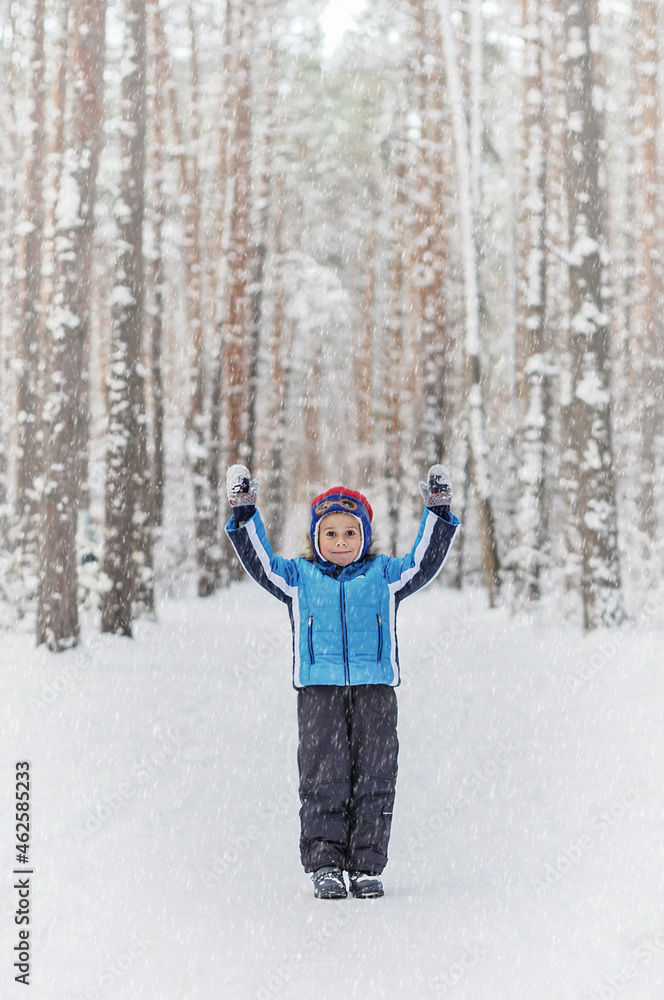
{"points": [[347, 759]]}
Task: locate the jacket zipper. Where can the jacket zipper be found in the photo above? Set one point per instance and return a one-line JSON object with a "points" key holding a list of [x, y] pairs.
{"points": [[311, 639], [380, 638], [344, 633]]}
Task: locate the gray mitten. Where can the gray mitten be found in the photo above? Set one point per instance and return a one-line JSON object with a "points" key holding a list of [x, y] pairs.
{"points": [[241, 489], [437, 492]]}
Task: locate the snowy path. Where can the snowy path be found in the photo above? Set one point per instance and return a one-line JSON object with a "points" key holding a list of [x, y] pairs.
{"points": [[165, 814]]}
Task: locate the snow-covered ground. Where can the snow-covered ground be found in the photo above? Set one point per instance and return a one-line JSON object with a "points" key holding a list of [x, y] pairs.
{"points": [[528, 841]]}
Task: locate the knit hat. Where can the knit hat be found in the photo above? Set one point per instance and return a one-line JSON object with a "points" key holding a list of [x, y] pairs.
{"points": [[340, 500]]}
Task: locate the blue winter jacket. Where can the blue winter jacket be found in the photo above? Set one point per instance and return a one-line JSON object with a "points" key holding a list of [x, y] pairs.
{"points": [[344, 619]]}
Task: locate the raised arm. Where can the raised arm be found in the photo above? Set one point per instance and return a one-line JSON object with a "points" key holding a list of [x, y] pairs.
{"points": [[247, 534], [438, 527]]}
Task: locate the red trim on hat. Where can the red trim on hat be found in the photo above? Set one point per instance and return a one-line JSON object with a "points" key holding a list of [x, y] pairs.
{"points": [[341, 490]]}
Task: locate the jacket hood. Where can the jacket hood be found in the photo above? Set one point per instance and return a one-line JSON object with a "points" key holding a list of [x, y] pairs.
{"points": [[341, 500]]}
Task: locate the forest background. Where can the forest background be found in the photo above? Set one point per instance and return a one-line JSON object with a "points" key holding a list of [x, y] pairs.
{"points": [[223, 241]]}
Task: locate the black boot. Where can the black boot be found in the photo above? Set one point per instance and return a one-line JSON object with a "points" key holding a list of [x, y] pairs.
{"points": [[365, 885], [329, 883]]}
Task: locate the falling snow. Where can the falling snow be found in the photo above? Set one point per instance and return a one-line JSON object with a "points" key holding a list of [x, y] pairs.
{"points": [[347, 263], [166, 822]]}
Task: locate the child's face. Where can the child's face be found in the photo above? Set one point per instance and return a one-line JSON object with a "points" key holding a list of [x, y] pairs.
{"points": [[339, 538]]}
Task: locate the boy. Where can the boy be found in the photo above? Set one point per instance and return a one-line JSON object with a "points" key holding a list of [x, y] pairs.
{"points": [[342, 600]]}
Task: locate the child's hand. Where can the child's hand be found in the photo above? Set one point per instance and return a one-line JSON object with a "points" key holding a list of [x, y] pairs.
{"points": [[241, 489], [437, 492]]}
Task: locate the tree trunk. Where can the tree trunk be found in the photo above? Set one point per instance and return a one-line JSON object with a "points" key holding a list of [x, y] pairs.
{"points": [[476, 420], [363, 368], [28, 466], [647, 310], [275, 487], [533, 364], [590, 415], [396, 382], [196, 437], [156, 311], [125, 471], [9, 217], [238, 328], [428, 267], [225, 563], [66, 334]]}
